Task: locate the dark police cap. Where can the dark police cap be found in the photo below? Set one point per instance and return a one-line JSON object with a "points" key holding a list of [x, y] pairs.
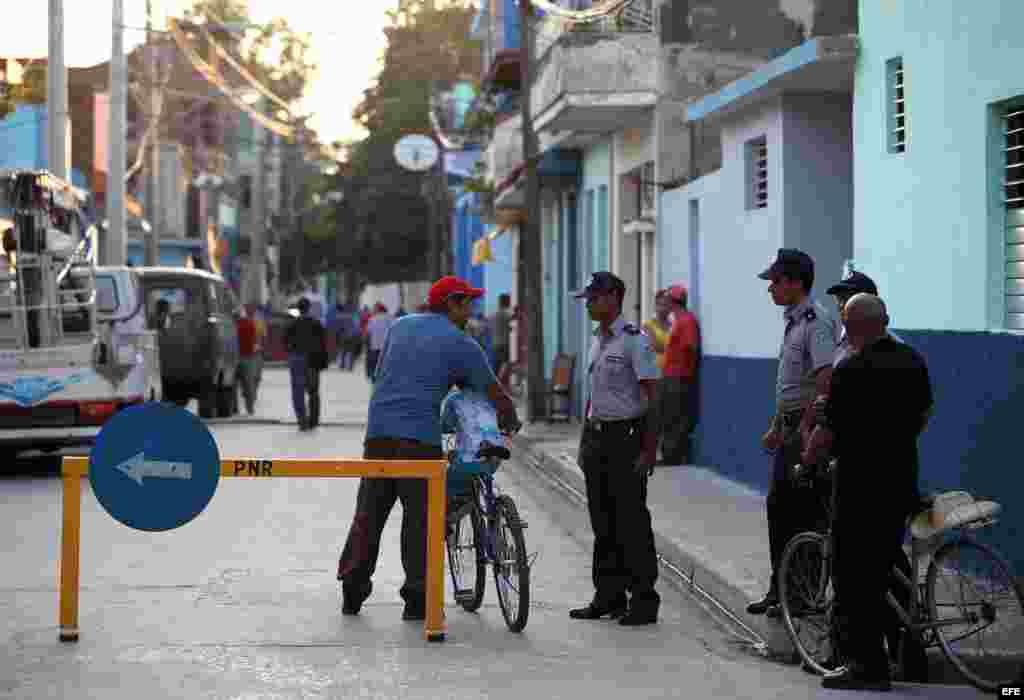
{"points": [[790, 262], [854, 283], [600, 283]]}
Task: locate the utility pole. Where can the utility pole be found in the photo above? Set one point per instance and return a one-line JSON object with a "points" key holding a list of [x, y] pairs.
{"points": [[257, 239], [529, 231], [153, 214], [114, 247], [57, 95]]}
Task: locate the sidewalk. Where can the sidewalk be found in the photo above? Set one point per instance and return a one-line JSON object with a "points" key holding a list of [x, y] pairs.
{"points": [[710, 529]]}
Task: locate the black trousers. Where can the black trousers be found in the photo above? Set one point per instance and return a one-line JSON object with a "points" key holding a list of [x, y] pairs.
{"points": [[624, 554], [675, 399], [792, 508], [374, 502], [866, 525]]}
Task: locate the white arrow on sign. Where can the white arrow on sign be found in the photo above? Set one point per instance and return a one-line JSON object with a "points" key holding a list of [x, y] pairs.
{"points": [[138, 466]]}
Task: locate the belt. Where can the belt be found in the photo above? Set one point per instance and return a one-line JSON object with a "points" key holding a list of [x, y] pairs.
{"points": [[600, 426], [792, 418]]}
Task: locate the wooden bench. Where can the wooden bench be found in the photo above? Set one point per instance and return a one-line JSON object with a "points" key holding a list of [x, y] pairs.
{"points": [[562, 377]]}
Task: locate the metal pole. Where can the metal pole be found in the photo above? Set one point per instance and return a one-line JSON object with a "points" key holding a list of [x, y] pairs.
{"points": [[153, 214], [114, 248], [529, 236], [258, 243], [57, 94]]}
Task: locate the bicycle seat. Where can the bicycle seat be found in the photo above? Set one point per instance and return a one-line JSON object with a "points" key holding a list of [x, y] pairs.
{"points": [[951, 510], [491, 451]]}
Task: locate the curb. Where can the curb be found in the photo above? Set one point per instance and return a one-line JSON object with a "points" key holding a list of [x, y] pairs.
{"points": [[723, 600]]}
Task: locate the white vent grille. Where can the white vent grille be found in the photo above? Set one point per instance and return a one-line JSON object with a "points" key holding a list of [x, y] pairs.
{"points": [[757, 159], [1014, 180], [897, 107]]}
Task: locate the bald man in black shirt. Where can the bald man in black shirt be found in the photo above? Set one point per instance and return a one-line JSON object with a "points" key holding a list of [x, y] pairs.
{"points": [[879, 402]]}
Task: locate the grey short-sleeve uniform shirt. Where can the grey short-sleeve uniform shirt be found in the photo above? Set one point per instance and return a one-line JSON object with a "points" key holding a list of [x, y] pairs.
{"points": [[808, 344], [616, 365]]}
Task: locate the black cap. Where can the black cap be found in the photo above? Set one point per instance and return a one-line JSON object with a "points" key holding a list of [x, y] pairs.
{"points": [[790, 262], [601, 282], [854, 283]]}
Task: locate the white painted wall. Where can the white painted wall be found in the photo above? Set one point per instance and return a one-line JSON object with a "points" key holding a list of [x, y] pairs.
{"points": [[738, 318]]}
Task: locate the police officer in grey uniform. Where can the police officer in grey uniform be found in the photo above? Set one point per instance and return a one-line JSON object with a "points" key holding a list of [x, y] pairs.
{"points": [[805, 364], [617, 454]]}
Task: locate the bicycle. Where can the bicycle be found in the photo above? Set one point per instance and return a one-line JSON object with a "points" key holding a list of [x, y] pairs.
{"points": [[941, 529], [483, 527]]}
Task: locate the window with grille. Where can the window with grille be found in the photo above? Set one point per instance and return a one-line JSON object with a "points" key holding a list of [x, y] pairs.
{"points": [[648, 189], [896, 106], [757, 173], [1013, 198]]}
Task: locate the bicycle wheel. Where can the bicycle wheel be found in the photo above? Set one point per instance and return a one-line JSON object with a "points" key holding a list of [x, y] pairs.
{"points": [[977, 607], [466, 560], [807, 598], [511, 572]]}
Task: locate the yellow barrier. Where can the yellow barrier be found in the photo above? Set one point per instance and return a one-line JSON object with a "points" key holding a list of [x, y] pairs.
{"points": [[434, 471]]}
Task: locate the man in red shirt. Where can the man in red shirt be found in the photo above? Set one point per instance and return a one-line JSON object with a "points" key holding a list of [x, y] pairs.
{"points": [[677, 382], [250, 357]]}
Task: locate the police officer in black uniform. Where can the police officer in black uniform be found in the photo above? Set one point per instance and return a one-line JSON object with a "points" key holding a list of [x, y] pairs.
{"points": [[805, 363], [617, 454]]}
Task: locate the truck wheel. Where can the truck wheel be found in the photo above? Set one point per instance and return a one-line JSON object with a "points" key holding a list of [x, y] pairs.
{"points": [[208, 401]]}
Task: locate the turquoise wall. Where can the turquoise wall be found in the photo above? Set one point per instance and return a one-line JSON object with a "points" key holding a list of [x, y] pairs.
{"points": [[928, 222]]}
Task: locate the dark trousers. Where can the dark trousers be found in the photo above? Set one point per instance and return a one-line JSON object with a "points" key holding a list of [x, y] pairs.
{"points": [[371, 362], [792, 508], [866, 525], [624, 555], [501, 356], [374, 502], [305, 380], [674, 400]]}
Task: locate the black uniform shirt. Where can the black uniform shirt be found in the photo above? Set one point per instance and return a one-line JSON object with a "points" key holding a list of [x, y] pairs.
{"points": [[876, 407], [305, 336]]}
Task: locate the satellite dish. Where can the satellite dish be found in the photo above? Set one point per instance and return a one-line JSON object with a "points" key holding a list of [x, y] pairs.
{"points": [[416, 152]]}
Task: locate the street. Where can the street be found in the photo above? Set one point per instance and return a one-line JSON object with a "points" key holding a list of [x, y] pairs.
{"points": [[242, 602]]}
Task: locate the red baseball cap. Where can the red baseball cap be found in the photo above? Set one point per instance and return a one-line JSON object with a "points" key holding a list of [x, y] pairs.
{"points": [[677, 292], [446, 286]]}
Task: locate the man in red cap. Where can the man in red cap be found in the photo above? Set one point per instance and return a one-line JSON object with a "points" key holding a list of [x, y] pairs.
{"points": [[677, 381], [424, 355]]}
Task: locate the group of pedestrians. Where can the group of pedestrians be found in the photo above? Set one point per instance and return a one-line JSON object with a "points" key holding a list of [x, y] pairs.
{"points": [[861, 396]]}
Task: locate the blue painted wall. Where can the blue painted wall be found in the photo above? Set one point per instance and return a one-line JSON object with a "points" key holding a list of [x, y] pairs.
{"points": [[498, 275], [171, 253], [966, 446], [933, 212], [24, 143]]}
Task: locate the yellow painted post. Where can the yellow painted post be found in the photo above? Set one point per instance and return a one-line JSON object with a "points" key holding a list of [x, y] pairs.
{"points": [[436, 629], [69, 551]]}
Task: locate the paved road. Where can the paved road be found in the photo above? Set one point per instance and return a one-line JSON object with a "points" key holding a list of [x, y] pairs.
{"points": [[242, 603]]}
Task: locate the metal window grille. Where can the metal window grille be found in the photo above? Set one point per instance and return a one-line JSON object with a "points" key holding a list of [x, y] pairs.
{"points": [[897, 108], [647, 189], [1013, 198], [758, 159]]}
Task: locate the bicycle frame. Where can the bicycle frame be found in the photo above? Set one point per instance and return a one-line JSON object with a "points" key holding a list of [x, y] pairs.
{"points": [[482, 501]]}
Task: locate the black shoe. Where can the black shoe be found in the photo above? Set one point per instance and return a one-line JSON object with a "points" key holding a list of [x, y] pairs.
{"points": [[830, 664], [851, 679], [640, 615], [761, 607], [352, 598], [414, 612], [594, 611]]}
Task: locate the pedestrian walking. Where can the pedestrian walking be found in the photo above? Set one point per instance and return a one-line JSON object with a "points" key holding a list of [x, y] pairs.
{"points": [[676, 387], [376, 332], [805, 364], [501, 332], [887, 381], [250, 357], [306, 341], [617, 452], [818, 449], [423, 357]]}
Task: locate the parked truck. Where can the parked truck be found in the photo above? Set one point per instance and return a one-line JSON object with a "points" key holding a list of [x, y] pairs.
{"points": [[65, 364]]}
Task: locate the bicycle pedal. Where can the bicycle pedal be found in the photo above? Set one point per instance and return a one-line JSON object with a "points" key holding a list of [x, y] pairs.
{"points": [[464, 596]]}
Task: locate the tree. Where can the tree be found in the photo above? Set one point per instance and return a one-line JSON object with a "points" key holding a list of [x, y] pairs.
{"points": [[31, 89], [384, 233]]}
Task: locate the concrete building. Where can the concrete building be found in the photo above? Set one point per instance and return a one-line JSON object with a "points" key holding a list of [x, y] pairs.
{"points": [[939, 223]]}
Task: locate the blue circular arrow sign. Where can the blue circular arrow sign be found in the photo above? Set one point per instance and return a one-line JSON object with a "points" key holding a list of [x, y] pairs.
{"points": [[154, 467]]}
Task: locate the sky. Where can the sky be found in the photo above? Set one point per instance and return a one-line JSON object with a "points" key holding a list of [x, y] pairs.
{"points": [[347, 41]]}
